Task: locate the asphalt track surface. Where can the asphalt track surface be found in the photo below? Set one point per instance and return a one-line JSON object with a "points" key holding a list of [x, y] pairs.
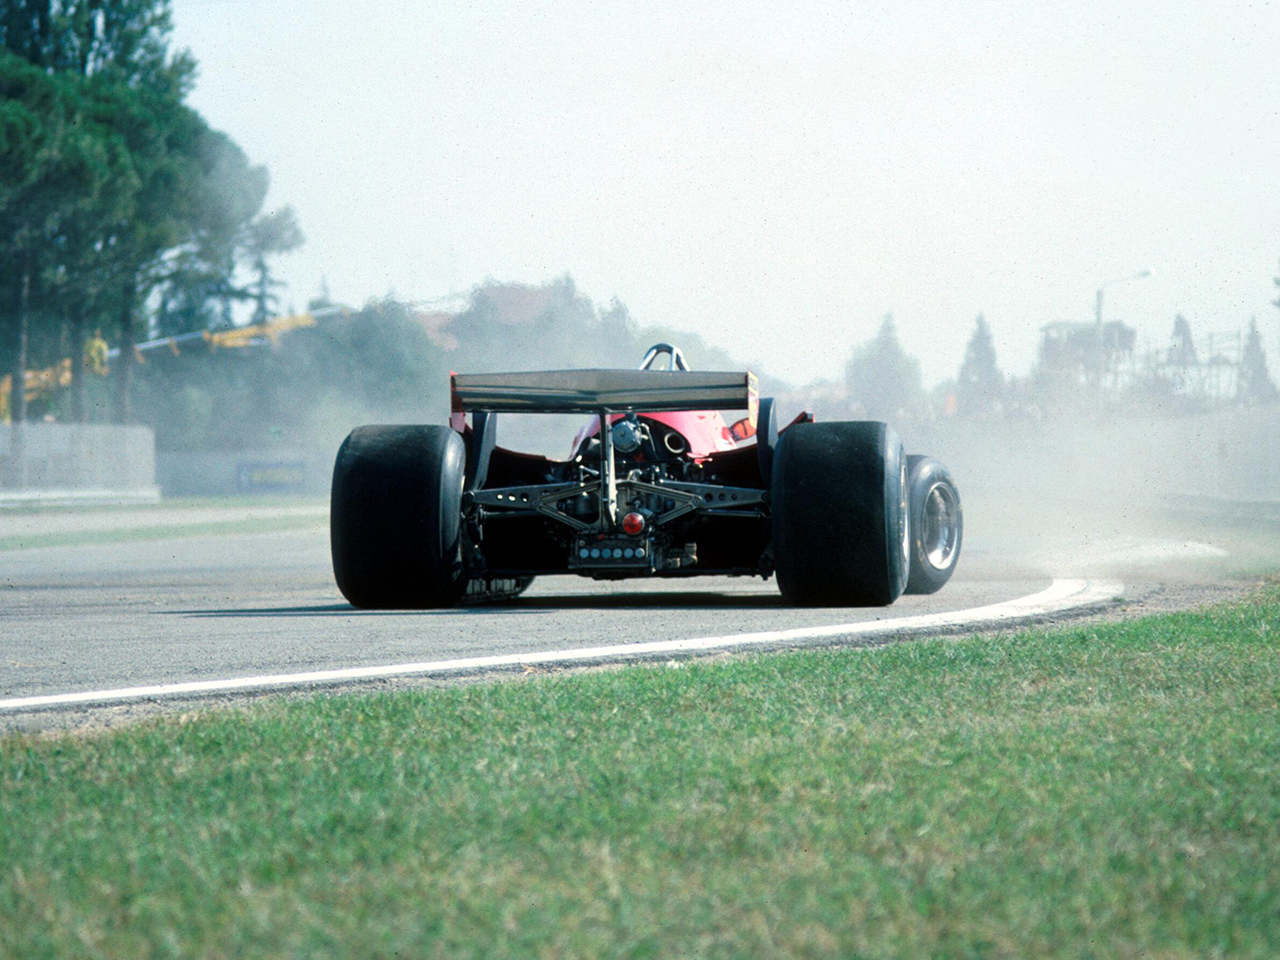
{"points": [[214, 607]]}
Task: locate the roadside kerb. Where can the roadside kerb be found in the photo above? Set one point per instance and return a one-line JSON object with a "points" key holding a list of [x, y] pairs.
{"points": [[1060, 597]]}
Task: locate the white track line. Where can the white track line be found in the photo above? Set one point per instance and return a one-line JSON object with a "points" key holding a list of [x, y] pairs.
{"points": [[1061, 595]]}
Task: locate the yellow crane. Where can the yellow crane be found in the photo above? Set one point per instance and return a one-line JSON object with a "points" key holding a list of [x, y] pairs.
{"points": [[41, 383]]}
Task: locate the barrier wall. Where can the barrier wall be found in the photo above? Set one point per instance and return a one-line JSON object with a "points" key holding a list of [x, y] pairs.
{"points": [[74, 457], [217, 473]]}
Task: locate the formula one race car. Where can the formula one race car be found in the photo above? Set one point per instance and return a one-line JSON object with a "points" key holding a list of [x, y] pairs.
{"points": [[659, 484]]}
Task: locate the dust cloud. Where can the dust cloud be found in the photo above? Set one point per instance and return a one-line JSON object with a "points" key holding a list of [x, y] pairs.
{"points": [[1080, 487]]}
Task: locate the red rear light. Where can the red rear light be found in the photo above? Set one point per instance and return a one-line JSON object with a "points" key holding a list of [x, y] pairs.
{"points": [[633, 523]]}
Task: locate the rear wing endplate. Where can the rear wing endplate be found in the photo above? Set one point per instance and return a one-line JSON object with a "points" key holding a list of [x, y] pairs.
{"points": [[607, 391]]}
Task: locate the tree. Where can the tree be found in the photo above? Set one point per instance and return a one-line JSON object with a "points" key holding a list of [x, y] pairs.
{"points": [[124, 40], [29, 135], [1254, 385], [56, 167], [269, 235], [176, 216], [80, 284], [884, 378], [617, 335], [199, 287], [980, 385], [163, 137]]}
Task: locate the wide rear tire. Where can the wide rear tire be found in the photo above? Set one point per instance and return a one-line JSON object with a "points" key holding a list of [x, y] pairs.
{"points": [[937, 525], [395, 517], [840, 514]]}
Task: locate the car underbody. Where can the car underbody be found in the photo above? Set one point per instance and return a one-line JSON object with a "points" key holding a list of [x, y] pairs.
{"points": [[658, 484]]}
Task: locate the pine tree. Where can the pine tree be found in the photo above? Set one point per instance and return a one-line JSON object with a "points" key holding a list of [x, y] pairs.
{"points": [[1255, 384], [126, 41], [980, 385], [270, 234], [884, 378]]}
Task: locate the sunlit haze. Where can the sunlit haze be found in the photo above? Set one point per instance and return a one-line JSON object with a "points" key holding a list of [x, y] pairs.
{"points": [[775, 177]]}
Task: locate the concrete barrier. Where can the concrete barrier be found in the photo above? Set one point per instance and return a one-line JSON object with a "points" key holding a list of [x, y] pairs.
{"points": [[216, 473], [101, 459]]}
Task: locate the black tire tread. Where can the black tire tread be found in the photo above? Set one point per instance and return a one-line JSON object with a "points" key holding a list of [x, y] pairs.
{"points": [[394, 517], [832, 542]]}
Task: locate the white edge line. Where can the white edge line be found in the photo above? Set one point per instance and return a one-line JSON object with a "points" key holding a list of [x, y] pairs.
{"points": [[1061, 595]]}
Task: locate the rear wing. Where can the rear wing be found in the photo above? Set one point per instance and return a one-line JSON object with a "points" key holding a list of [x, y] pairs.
{"points": [[604, 391]]}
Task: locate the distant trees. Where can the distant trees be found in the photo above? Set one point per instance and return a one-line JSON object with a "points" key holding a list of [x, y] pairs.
{"points": [[526, 326], [199, 288], [268, 235], [377, 364], [883, 378], [389, 362], [980, 385], [1254, 384], [554, 325], [1187, 378]]}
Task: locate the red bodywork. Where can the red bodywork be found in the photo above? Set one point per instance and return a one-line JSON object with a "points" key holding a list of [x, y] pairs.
{"points": [[706, 431]]}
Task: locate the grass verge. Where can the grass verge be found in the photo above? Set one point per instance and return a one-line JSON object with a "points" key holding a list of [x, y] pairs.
{"points": [[1099, 791]]}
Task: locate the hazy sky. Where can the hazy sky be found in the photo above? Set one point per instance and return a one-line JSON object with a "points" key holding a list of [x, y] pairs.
{"points": [[776, 175]]}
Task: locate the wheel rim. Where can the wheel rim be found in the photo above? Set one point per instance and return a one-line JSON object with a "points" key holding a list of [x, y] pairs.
{"points": [[940, 522]]}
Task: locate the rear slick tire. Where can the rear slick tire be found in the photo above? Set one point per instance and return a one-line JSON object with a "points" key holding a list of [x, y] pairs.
{"points": [[937, 525], [395, 517], [840, 526]]}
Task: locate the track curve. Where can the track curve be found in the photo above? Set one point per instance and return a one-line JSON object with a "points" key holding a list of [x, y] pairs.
{"points": [[83, 623], [1061, 596]]}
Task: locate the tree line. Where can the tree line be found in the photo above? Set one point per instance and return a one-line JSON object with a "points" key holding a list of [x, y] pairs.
{"points": [[390, 362], [123, 214], [1080, 367]]}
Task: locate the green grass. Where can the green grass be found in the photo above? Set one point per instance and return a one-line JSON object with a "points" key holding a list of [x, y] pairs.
{"points": [[78, 538], [1102, 791]]}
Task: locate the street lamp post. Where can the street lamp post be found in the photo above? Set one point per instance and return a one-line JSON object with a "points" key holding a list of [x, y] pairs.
{"points": [[1102, 345]]}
